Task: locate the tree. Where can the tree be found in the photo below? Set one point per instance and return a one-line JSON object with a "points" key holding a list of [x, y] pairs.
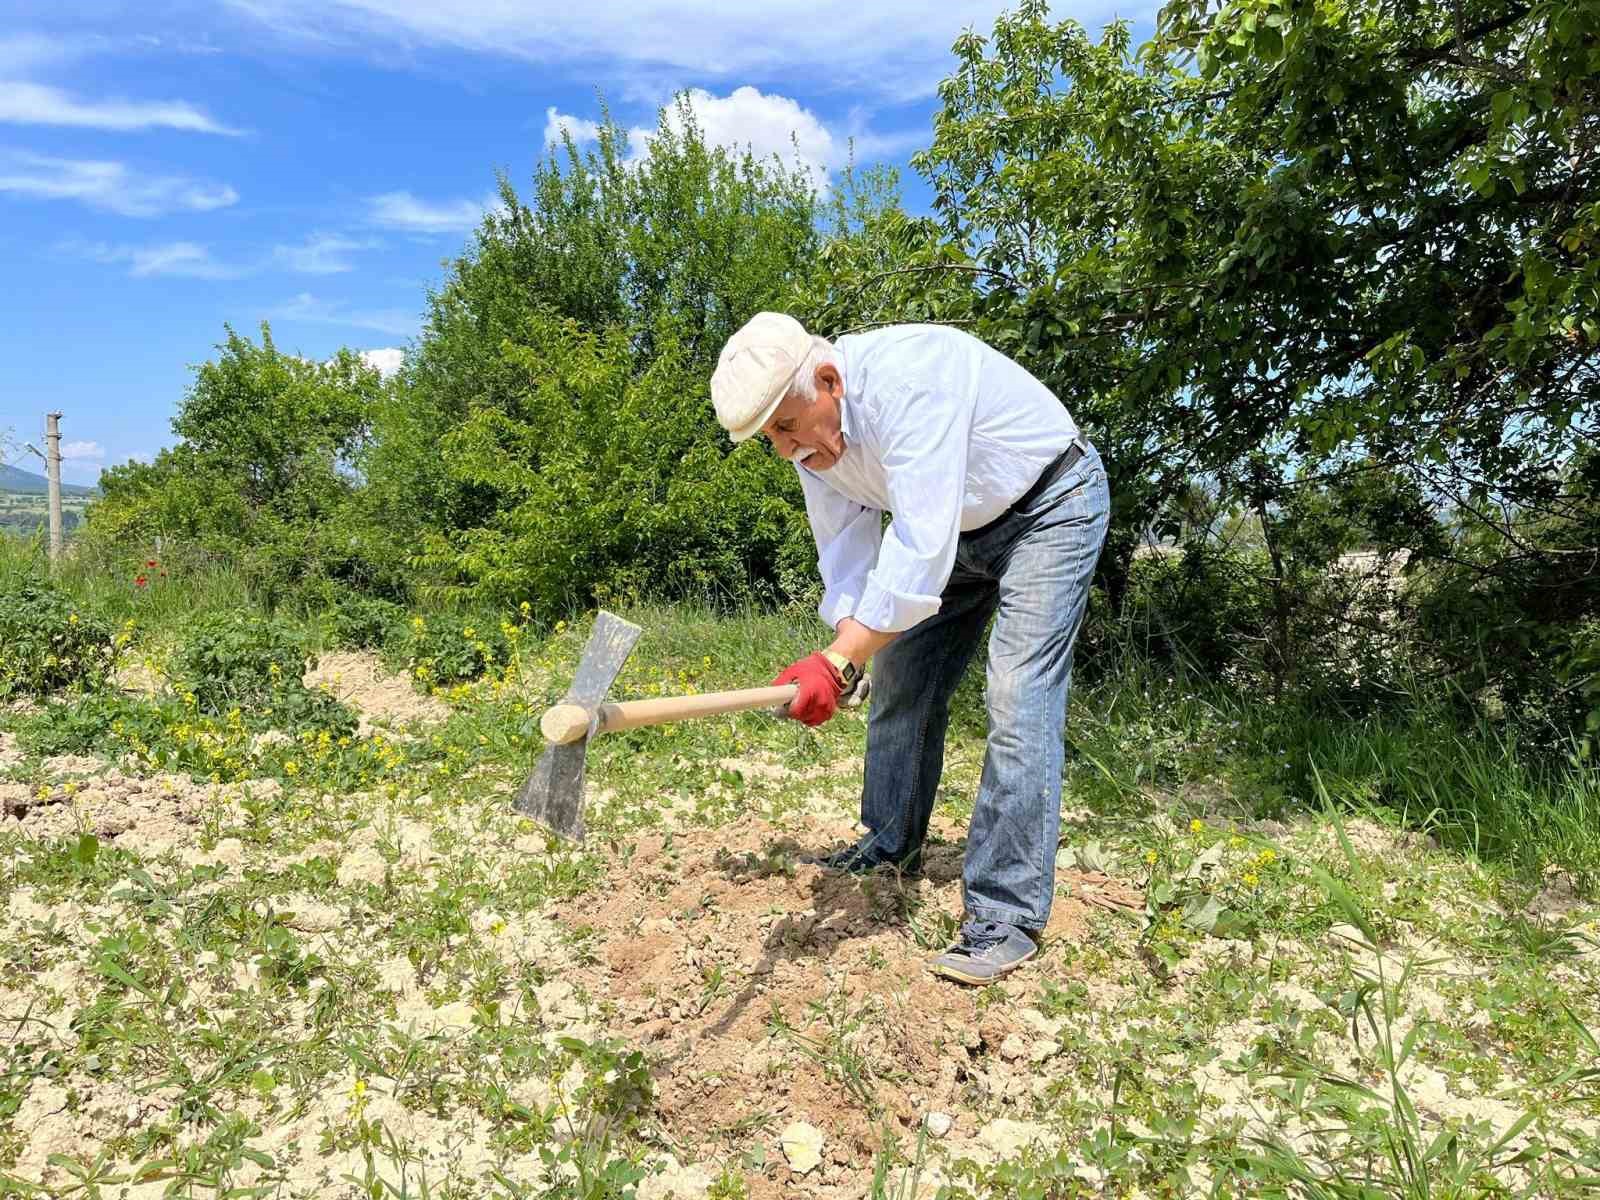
{"points": [[260, 475], [561, 381], [1285, 238]]}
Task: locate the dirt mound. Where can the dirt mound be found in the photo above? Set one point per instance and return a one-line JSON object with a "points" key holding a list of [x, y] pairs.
{"points": [[769, 991], [377, 694]]}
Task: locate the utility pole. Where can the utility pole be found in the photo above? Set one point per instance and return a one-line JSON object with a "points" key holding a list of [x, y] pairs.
{"points": [[52, 473], [52, 445]]}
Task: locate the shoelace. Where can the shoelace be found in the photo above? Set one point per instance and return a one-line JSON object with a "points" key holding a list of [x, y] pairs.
{"points": [[980, 935]]}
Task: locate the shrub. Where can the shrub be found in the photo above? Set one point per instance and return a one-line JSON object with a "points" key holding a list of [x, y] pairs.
{"points": [[363, 622], [48, 642], [1201, 605], [253, 663], [444, 651], [606, 481]]}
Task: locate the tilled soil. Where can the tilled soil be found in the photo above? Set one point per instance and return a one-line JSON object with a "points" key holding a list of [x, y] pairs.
{"points": [[769, 991]]}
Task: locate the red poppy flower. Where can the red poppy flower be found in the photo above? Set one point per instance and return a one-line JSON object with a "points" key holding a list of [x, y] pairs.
{"points": [[150, 562], [139, 581]]}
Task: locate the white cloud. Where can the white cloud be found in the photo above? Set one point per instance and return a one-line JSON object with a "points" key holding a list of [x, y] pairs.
{"points": [[894, 48], [320, 254], [26, 51], [113, 186], [188, 260], [386, 360], [763, 123], [766, 125], [306, 307], [403, 211], [24, 103], [83, 451], [556, 124]]}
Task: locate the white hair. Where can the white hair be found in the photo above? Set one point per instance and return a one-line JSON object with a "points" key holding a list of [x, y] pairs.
{"points": [[804, 383]]}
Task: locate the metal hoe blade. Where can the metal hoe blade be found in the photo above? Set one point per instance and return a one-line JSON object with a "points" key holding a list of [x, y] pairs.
{"points": [[553, 793]]}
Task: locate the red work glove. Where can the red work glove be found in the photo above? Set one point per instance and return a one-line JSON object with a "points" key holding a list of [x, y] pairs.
{"points": [[821, 686]]}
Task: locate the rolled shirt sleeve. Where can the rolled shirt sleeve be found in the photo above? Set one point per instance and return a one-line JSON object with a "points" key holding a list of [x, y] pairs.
{"points": [[924, 453], [847, 536]]}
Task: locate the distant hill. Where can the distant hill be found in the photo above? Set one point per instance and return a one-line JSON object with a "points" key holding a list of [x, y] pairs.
{"points": [[15, 479]]}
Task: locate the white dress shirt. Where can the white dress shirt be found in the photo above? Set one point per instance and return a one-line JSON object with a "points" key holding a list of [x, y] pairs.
{"points": [[941, 431]]}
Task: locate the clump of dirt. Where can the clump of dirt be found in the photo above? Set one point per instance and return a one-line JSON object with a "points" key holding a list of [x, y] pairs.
{"points": [[139, 677], [154, 813], [769, 991], [378, 695]]}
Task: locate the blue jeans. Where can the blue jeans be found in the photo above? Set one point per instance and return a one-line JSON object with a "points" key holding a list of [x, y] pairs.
{"points": [[1030, 571]]}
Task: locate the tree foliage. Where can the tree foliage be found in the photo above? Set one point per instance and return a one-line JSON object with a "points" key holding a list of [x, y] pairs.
{"points": [[260, 475], [553, 433], [1281, 238]]}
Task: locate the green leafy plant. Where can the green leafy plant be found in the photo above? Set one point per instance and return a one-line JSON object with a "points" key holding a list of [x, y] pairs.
{"points": [[359, 622], [48, 642], [444, 651], [242, 661]]}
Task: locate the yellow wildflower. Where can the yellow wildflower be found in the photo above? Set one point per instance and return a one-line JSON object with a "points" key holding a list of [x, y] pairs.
{"points": [[1150, 856], [1197, 826], [1251, 879]]}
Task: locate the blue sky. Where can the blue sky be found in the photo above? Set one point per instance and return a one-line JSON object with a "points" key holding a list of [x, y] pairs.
{"points": [[166, 168]]}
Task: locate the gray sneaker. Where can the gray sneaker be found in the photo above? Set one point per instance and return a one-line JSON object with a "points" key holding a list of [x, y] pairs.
{"points": [[985, 951]]}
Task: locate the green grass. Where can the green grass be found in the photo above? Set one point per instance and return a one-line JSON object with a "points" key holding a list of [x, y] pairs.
{"points": [[194, 586]]}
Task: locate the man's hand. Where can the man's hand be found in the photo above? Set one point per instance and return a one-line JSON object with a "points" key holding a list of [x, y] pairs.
{"points": [[821, 686]]}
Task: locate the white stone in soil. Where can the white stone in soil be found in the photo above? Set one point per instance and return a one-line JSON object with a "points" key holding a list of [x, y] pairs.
{"points": [[802, 1146], [676, 1183], [938, 1123], [1008, 1139]]}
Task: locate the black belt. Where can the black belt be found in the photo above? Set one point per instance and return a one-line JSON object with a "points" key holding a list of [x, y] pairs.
{"points": [[1058, 466]]}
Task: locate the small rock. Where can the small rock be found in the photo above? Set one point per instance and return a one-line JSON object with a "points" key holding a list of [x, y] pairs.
{"points": [[313, 916], [676, 1183], [1008, 1139], [802, 1147], [938, 1123], [1013, 1047], [1043, 1049]]}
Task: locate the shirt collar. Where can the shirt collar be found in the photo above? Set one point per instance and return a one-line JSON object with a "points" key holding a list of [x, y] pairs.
{"points": [[845, 425]]}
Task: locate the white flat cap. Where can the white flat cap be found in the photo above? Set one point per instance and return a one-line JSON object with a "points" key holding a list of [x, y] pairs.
{"points": [[754, 372]]}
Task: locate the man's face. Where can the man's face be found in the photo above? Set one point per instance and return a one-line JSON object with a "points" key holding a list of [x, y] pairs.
{"points": [[810, 433]]}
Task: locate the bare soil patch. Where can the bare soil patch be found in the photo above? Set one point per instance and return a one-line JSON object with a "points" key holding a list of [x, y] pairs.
{"points": [[768, 991], [381, 697]]}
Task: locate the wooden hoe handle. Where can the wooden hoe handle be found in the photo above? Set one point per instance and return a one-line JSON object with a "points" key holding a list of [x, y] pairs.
{"points": [[568, 722]]}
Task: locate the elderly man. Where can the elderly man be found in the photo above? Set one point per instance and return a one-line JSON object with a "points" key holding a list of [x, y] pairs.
{"points": [[998, 508]]}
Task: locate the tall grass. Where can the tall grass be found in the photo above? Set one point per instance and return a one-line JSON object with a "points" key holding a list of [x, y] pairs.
{"points": [[193, 585], [1468, 785], [1419, 763]]}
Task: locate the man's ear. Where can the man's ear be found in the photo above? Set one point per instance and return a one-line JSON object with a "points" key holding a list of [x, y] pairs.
{"points": [[828, 379]]}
